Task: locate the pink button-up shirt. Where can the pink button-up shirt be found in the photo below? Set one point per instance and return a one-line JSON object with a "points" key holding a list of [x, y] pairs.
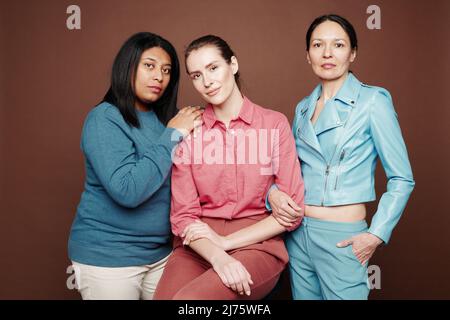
{"points": [[226, 173]]}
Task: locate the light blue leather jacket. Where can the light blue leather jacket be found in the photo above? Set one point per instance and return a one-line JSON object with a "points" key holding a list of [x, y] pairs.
{"points": [[338, 154]]}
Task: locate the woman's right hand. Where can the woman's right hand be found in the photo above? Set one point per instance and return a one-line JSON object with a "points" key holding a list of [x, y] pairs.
{"points": [[186, 120], [284, 209], [232, 273]]}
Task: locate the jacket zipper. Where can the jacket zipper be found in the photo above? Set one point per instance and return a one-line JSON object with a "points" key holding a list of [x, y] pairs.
{"points": [[338, 169], [327, 172]]}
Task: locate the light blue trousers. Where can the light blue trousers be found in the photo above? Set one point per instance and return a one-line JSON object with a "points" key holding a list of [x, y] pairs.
{"points": [[318, 268]]}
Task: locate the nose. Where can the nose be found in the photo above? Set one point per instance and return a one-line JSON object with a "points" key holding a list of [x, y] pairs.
{"points": [[157, 75], [206, 82], [327, 51]]}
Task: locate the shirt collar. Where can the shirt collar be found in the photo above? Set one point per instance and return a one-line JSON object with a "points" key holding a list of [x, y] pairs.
{"points": [[245, 114]]}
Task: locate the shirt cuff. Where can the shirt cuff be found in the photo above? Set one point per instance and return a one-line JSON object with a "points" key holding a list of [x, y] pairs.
{"points": [[178, 228]]}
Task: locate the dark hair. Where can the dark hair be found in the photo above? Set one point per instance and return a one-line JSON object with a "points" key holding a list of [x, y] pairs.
{"points": [[344, 23], [121, 93], [220, 44]]}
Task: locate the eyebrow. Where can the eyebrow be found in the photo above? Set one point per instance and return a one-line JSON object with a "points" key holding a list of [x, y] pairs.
{"points": [[154, 60], [206, 67], [336, 39]]}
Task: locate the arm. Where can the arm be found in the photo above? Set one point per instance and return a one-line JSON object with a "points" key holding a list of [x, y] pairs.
{"points": [[284, 205], [258, 232], [127, 179], [288, 186], [185, 202], [388, 140], [231, 271]]}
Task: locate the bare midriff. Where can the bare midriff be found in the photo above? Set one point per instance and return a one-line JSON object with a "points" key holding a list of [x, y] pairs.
{"points": [[345, 213]]}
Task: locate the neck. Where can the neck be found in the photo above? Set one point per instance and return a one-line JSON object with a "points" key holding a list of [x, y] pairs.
{"points": [[140, 106], [331, 87], [230, 108]]}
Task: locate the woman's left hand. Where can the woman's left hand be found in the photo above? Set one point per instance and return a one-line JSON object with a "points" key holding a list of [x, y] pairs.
{"points": [[363, 246], [198, 230]]}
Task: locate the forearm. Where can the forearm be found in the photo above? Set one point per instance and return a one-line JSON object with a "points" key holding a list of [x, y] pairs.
{"points": [[207, 249], [260, 231]]}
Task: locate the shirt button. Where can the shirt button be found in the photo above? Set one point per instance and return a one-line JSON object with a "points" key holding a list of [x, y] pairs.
{"points": [[232, 131]]}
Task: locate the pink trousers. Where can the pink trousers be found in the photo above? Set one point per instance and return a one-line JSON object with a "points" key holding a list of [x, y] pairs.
{"points": [[187, 276]]}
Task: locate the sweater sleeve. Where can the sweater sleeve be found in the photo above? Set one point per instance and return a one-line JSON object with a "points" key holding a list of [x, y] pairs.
{"points": [[128, 179]]}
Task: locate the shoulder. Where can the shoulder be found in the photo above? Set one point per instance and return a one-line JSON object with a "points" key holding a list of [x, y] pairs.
{"points": [[381, 104], [376, 93], [275, 116], [302, 105], [105, 113]]}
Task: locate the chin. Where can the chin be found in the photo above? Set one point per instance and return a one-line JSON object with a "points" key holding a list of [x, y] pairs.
{"points": [[330, 76], [216, 100], [152, 98]]}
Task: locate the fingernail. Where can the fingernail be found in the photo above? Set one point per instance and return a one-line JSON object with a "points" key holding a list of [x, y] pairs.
{"points": [[247, 293]]}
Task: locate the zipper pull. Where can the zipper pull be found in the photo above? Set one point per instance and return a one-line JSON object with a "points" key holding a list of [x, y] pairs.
{"points": [[342, 155], [328, 170]]}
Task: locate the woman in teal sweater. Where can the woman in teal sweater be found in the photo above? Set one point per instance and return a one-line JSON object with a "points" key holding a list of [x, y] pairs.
{"points": [[120, 238]]}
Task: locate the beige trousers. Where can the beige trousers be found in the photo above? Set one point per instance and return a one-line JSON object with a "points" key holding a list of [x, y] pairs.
{"points": [[123, 283]]}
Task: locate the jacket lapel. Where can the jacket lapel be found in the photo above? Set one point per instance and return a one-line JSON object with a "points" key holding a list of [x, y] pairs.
{"points": [[305, 129]]}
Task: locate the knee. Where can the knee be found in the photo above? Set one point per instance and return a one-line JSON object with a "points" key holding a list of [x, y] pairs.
{"points": [[187, 294]]}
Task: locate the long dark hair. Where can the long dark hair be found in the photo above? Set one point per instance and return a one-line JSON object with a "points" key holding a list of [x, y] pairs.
{"points": [[344, 23], [121, 93], [223, 47]]}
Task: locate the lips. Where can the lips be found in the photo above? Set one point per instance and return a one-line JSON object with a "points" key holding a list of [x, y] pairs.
{"points": [[328, 66], [212, 92], [155, 89]]}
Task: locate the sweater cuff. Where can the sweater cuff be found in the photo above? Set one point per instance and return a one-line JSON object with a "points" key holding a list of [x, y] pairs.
{"points": [[171, 137]]}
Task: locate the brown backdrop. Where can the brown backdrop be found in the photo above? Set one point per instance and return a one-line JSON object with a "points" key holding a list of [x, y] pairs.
{"points": [[51, 77]]}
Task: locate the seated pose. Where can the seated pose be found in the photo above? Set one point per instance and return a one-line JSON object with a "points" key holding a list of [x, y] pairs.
{"points": [[340, 130], [226, 245], [120, 239]]}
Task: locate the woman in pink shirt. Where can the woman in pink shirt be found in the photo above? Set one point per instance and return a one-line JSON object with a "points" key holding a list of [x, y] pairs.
{"points": [[226, 245]]}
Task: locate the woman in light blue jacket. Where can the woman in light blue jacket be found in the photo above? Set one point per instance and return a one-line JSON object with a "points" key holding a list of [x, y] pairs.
{"points": [[341, 129]]}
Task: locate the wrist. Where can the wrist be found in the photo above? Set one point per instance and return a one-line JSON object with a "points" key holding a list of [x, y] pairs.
{"points": [[216, 257], [270, 195], [377, 240], [183, 132], [227, 243]]}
